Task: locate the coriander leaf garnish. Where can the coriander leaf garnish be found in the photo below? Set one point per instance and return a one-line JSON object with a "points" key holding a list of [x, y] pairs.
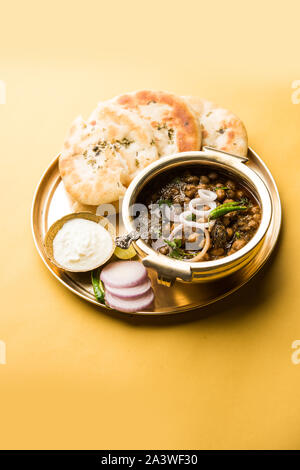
{"points": [[168, 202], [177, 252]]}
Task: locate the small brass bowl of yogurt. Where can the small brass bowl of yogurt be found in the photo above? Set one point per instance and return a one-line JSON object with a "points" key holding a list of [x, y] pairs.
{"points": [[80, 242]]}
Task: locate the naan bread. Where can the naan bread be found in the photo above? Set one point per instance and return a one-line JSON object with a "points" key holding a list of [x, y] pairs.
{"points": [[101, 157], [220, 127], [175, 124], [130, 135]]}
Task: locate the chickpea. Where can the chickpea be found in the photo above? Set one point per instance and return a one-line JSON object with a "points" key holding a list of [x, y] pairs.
{"points": [[192, 179], [230, 184], [231, 194], [229, 232], [229, 200], [190, 190], [174, 191], [252, 224], [220, 194], [219, 185], [192, 237], [255, 210], [187, 199], [190, 187], [213, 176], [256, 217], [204, 179], [202, 186], [217, 251], [238, 244], [164, 250], [239, 194]]}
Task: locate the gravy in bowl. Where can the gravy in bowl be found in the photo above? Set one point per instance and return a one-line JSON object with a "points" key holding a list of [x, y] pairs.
{"points": [[200, 214]]}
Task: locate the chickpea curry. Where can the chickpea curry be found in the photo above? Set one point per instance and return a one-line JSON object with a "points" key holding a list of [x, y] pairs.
{"points": [[199, 214]]}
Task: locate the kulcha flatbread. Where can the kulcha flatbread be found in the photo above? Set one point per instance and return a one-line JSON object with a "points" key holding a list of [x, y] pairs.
{"points": [[101, 157], [220, 127], [130, 136], [175, 124]]}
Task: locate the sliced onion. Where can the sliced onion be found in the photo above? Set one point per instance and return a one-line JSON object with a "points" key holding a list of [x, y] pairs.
{"points": [[192, 223], [199, 201], [200, 255], [206, 198], [177, 229], [130, 305], [207, 195]]}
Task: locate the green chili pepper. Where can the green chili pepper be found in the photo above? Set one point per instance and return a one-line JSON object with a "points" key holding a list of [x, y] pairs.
{"points": [[97, 286], [236, 203], [223, 209]]}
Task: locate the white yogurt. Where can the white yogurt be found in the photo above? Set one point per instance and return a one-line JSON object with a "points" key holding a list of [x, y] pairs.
{"points": [[82, 245]]}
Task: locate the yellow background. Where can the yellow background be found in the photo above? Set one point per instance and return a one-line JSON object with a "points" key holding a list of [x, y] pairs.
{"points": [[77, 377]]}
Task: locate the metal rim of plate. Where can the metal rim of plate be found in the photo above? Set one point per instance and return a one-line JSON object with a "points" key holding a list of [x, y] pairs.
{"points": [[182, 296]]}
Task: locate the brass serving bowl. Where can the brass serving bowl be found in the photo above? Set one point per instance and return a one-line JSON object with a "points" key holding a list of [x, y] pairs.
{"points": [[170, 269], [56, 226]]}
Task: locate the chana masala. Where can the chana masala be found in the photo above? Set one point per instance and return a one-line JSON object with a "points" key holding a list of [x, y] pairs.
{"points": [[199, 214]]}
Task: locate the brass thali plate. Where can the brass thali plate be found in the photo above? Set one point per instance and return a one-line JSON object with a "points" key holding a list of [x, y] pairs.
{"points": [[51, 203]]}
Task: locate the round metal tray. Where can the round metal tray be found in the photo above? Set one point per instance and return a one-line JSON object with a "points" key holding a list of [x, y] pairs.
{"points": [[51, 203]]}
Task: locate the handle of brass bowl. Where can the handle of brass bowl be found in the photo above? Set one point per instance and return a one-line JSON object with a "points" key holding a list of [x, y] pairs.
{"points": [[167, 270], [215, 152]]}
